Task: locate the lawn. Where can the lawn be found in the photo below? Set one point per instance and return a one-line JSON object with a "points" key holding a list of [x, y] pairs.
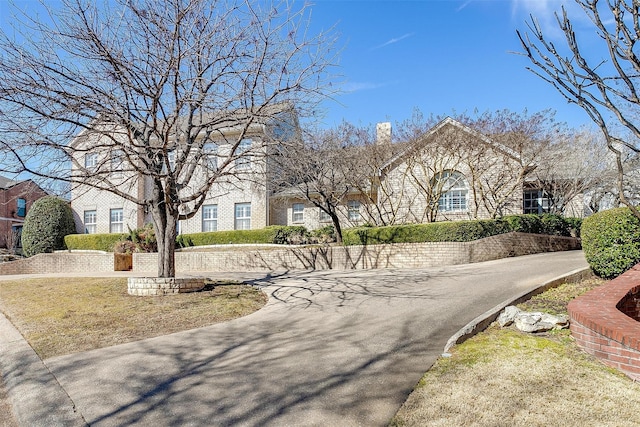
{"points": [[67, 315], [503, 377]]}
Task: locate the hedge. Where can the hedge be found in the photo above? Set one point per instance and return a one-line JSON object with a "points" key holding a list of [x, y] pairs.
{"points": [[461, 231], [96, 242], [611, 241], [453, 231]]}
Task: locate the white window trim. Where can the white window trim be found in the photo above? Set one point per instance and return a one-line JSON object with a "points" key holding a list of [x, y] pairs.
{"points": [[116, 226], [91, 227], [91, 161], [117, 163], [244, 161], [242, 222], [297, 213], [353, 210], [454, 197], [213, 219], [323, 216]]}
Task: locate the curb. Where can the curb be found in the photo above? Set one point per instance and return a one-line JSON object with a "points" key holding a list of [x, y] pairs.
{"points": [[481, 322], [36, 397]]}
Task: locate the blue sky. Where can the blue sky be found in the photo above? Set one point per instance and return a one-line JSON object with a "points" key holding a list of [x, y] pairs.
{"points": [[441, 56]]}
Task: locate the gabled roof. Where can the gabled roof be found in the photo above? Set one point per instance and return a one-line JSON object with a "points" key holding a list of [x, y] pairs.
{"points": [[443, 124]]}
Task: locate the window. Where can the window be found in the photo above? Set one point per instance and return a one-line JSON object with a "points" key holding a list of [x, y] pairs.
{"points": [[243, 216], [210, 151], [90, 222], [536, 202], [171, 157], [298, 212], [353, 210], [117, 162], [243, 161], [21, 208], [210, 218], [116, 223], [324, 217], [91, 161], [453, 190]]}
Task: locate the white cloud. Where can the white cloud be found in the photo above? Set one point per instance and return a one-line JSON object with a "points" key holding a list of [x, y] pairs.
{"points": [[351, 87], [544, 12], [392, 41]]}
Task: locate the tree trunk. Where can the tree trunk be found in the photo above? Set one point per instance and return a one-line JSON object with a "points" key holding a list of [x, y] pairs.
{"points": [[164, 222], [336, 225]]}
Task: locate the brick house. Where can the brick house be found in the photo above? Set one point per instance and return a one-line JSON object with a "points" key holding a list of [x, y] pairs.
{"points": [[16, 198], [451, 173], [238, 201]]}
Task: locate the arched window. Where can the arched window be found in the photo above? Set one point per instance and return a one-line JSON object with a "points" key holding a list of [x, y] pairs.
{"points": [[452, 189]]}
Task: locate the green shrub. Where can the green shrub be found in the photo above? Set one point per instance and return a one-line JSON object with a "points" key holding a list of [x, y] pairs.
{"points": [[326, 234], [611, 241], [450, 231], [144, 239], [263, 235], [48, 221], [291, 235], [97, 242], [461, 231]]}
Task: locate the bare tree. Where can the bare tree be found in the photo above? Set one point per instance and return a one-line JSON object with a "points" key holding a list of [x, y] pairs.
{"points": [[607, 90], [151, 84], [324, 168], [576, 166]]}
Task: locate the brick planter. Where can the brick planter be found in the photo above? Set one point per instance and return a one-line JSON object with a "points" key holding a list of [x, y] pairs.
{"points": [[604, 322], [158, 286]]}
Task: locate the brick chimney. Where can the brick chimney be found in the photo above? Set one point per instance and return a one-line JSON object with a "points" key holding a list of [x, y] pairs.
{"points": [[383, 133]]}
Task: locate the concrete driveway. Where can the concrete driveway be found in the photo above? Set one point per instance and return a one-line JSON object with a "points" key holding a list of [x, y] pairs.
{"points": [[331, 348]]}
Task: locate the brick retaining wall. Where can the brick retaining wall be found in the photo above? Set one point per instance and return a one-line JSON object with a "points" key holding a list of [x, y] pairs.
{"points": [[605, 323], [401, 255], [60, 262]]}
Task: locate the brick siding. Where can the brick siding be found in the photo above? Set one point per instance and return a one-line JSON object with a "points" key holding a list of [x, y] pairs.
{"points": [[605, 322]]}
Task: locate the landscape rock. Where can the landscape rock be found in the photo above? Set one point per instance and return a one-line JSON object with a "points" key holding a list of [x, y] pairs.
{"points": [[531, 321], [508, 315]]}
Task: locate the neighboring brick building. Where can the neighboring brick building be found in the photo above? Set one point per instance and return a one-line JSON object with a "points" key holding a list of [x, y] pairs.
{"points": [[16, 198]]}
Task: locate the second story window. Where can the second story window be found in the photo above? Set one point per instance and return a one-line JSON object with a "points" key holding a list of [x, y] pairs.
{"points": [[244, 159], [210, 156], [117, 163], [91, 161], [21, 208]]}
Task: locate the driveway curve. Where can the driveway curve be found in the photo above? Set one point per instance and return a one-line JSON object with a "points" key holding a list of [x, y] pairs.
{"points": [[340, 348]]}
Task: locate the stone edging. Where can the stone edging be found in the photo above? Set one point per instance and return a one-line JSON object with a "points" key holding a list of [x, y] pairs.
{"points": [[481, 322], [157, 286], [602, 329]]}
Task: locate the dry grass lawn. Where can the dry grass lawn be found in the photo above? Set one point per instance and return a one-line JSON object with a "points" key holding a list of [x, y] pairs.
{"points": [[62, 316], [503, 377]]}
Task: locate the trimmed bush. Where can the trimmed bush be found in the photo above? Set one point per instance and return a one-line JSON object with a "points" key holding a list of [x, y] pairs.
{"points": [[450, 231], [47, 223], [263, 235], [611, 241], [96, 242], [291, 235], [459, 231]]}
